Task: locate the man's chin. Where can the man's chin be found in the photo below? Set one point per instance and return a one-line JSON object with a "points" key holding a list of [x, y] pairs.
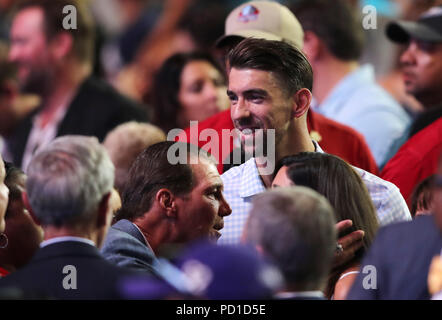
{"points": [[214, 235]]}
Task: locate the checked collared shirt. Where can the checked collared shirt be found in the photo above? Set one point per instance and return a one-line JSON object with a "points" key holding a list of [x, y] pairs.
{"points": [[242, 183]]}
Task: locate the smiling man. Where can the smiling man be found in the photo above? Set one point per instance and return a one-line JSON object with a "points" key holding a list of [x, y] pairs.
{"points": [[270, 89], [165, 203]]}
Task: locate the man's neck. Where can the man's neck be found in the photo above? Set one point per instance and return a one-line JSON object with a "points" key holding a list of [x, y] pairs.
{"points": [[328, 73], [153, 229], [65, 85], [295, 141]]}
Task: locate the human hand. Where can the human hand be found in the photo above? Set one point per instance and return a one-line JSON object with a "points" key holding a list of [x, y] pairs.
{"points": [[349, 243]]}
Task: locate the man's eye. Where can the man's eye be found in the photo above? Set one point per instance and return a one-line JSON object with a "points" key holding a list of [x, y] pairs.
{"points": [[196, 87], [257, 99], [426, 45], [233, 98]]}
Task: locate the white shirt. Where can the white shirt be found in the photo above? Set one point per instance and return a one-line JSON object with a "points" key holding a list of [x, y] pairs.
{"points": [[40, 137]]}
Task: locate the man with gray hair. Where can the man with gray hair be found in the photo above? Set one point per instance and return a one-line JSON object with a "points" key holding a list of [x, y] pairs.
{"points": [[68, 193], [295, 228]]}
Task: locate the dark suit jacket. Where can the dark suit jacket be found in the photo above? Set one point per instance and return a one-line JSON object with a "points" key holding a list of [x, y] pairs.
{"points": [[95, 110], [125, 246], [401, 254], [43, 276]]}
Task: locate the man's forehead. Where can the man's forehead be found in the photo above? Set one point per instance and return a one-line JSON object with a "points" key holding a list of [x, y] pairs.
{"points": [[245, 78], [205, 172]]}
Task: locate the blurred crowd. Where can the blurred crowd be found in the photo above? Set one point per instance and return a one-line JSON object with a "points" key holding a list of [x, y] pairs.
{"points": [[198, 149]]}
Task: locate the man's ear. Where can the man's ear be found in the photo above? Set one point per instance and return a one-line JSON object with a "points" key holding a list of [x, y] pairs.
{"points": [[167, 201], [302, 99], [104, 210], [25, 199], [62, 45]]}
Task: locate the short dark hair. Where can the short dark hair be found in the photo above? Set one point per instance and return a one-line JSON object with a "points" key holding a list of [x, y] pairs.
{"points": [[289, 65], [334, 22], [166, 86], [152, 171], [83, 36], [422, 195]]}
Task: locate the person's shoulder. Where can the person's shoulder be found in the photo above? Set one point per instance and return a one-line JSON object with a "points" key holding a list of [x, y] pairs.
{"points": [[98, 90], [425, 143], [344, 284], [375, 183], [117, 237], [399, 232], [235, 172], [373, 98]]}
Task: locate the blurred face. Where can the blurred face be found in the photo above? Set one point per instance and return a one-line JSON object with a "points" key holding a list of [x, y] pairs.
{"points": [[202, 92], [422, 69], [202, 211], [4, 193], [258, 104], [30, 50], [281, 179]]}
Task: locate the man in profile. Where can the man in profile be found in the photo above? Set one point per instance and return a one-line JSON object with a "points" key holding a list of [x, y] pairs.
{"points": [[166, 203]]}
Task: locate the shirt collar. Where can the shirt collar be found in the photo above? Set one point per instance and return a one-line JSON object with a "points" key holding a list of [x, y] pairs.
{"points": [[251, 183], [64, 239]]}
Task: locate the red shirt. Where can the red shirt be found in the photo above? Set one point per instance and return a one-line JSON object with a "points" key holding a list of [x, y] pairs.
{"points": [[3, 272], [333, 137], [416, 160]]}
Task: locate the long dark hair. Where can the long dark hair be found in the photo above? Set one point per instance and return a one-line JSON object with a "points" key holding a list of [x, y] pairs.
{"points": [[166, 87], [343, 187]]}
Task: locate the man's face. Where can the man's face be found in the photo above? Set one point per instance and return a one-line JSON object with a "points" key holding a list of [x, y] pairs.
{"points": [[422, 69], [30, 50], [202, 210], [258, 102]]}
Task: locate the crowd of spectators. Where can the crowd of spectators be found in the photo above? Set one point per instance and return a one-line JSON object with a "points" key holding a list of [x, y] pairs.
{"points": [[189, 149]]}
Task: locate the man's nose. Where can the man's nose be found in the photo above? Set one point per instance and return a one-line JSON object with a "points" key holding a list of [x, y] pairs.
{"points": [[240, 110], [224, 209], [408, 57]]}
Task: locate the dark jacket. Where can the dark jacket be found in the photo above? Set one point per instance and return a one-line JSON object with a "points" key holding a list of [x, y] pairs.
{"points": [[96, 109]]}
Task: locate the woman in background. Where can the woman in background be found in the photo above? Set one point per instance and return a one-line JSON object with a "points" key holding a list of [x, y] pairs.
{"points": [[342, 186], [188, 86]]}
